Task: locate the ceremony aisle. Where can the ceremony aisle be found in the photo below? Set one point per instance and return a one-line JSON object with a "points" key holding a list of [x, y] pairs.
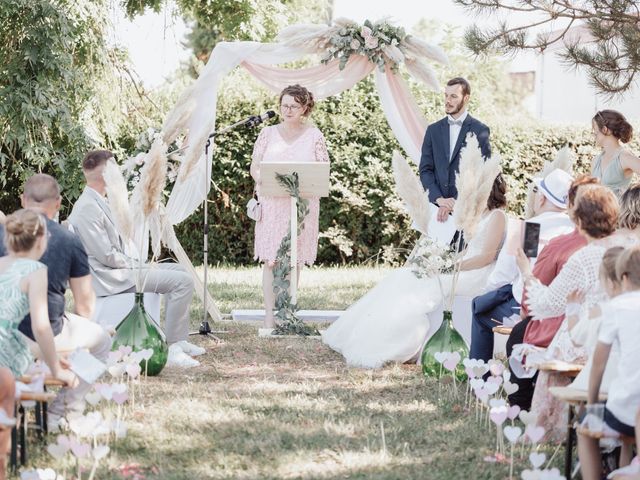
{"points": [[289, 408]]}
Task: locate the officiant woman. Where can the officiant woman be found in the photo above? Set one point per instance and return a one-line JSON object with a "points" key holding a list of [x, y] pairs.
{"points": [[294, 139]]}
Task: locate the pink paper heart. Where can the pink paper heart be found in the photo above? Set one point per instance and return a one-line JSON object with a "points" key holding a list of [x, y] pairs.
{"points": [[513, 412], [469, 371], [476, 383], [498, 415], [80, 450], [510, 388], [133, 370], [528, 418], [125, 350], [482, 394], [512, 433], [120, 398], [496, 368], [492, 388], [57, 451], [534, 433], [496, 380], [537, 459], [441, 356], [450, 364]]}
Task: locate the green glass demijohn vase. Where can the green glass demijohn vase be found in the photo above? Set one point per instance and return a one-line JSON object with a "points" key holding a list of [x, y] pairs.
{"points": [[140, 332], [446, 339]]}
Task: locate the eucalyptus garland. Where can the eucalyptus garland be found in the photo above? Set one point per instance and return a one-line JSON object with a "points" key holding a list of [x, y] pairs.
{"points": [[289, 323]]}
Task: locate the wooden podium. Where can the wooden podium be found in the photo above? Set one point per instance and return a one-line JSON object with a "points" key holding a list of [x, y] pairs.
{"points": [[313, 178]]}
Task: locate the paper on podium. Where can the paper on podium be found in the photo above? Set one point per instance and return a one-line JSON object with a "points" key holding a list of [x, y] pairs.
{"points": [[440, 232], [313, 178]]}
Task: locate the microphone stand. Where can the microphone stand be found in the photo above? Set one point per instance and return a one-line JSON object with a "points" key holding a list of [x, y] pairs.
{"points": [[205, 328]]}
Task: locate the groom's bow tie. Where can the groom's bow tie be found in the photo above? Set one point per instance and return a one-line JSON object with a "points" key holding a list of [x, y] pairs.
{"points": [[454, 122]]}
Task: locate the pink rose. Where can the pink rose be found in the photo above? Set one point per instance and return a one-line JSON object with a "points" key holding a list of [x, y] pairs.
{"points": [[355, 44], [365, 32], [371, 43]]}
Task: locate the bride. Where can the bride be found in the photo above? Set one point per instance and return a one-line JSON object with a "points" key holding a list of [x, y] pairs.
{"points": [[391, 321]]}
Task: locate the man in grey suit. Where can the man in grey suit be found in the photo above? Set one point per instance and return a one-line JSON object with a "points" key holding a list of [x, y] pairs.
{"points": [[442, 143], [113, 270]]}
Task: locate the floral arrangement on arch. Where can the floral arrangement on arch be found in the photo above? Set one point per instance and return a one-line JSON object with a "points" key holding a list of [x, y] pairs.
{"points": [[382, 43]]}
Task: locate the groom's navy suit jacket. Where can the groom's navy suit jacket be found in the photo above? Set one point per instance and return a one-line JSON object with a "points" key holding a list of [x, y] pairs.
{"points": [[437, 174]]}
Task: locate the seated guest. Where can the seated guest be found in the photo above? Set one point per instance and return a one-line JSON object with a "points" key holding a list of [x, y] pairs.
{"points": [[23, 289], [67, 264], [584, 332], [7, 405], [113, 271], [596, 216], [620, 324], [503, 299], [629, 219], [540, 332]]}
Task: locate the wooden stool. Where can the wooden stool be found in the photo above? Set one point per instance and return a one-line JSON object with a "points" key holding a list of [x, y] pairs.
{"points": [[574, 397], [19, 431], [502, 330]]}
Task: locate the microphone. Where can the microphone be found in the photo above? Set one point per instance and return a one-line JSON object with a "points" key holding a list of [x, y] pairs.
{"points": [[255, 120], [249, 122]]}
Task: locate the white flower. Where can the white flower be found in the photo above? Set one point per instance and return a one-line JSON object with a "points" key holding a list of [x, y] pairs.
{"points": [[355, 44]]}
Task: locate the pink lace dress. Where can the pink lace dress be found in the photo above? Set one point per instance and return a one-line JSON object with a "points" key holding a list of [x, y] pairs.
{"points": [[274, 224]]}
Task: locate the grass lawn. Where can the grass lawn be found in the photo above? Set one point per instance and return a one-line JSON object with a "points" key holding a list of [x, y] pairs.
{"points": [[290, 408]]}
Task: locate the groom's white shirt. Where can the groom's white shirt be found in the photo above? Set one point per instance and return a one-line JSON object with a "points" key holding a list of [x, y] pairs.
{"points": [[552, 224]]}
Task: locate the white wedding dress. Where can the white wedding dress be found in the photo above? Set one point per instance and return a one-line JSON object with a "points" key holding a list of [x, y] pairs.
{"points": [[391, 321]]}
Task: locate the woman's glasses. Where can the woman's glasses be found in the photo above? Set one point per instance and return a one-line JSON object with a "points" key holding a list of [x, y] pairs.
{"points": [[291, 108]]}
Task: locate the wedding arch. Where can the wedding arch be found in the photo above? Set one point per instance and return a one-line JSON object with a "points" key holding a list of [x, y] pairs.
{"points": [[349, 52]]}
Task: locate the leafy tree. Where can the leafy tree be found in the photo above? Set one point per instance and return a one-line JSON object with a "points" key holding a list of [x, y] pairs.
{"points": [[611, 56], [220, 20], [58, 90]]}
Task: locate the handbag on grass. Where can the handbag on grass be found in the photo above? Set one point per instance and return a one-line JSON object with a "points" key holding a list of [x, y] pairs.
{"points": [[254, 209]]}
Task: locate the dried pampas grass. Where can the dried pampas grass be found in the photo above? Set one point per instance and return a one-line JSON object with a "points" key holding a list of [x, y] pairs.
{"points": [[564, 160], [177, 119], [418, 48], [474, 183], [410, 190], [311, 37], [393, 53], [148, 192], [118, 196], [421, 71]]}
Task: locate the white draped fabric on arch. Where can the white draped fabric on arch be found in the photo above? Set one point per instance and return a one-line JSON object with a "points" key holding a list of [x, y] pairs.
{"points": [[372, 47]]}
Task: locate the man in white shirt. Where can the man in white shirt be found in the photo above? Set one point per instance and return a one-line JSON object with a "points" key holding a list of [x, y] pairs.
{"points": [[504, 284]]}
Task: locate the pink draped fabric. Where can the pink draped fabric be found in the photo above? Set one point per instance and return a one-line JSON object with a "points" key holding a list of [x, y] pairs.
{"points": [[413, 121], [322, 80]]}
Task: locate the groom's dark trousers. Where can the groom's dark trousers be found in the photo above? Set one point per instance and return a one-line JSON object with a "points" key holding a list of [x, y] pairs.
{"points": [[488, 310]]}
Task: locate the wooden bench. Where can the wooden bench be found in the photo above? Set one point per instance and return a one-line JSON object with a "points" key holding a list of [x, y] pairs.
{"points": [[19, 431]]}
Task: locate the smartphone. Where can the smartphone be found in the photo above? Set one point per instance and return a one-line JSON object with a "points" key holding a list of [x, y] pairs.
{"points": [[531, 239]]}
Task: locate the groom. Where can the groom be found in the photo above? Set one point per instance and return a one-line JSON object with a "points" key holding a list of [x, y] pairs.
{"points": [[442, 143]]}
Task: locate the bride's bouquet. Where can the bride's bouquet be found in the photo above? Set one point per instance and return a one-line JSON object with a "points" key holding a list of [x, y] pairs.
{"points": [[430, 259]]}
